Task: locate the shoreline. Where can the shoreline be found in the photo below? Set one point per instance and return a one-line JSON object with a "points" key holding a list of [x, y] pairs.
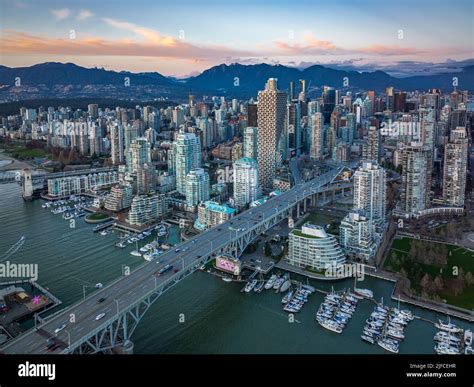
{"points": [[14, 164]]}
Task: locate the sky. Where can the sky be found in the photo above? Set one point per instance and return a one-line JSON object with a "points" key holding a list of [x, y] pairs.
{"points": [[182, 38]]}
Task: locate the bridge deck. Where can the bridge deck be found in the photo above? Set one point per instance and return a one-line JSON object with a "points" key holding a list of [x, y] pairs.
{"points": [[127, 291]]}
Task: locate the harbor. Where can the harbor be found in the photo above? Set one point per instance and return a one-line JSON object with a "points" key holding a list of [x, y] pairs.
{"points": [[72, 261]]}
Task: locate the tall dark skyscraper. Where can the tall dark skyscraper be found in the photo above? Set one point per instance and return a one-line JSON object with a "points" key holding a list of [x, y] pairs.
{"points": [[252, 114], [399, 101], [329, 101]]}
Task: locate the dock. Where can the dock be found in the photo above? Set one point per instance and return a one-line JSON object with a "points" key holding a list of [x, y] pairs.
{"points": [[103, 226]]}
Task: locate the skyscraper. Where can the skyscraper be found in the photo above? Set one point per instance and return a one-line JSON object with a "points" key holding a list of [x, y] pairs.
{"points": [[415, 187], [197, 187], [251, 142], [187, 156], [138, 154], [252, 114], [271, 119], [116, 140], [370, 191], [246, 188], [317, 136], [329, 102], [455, 168], [371, 150]]}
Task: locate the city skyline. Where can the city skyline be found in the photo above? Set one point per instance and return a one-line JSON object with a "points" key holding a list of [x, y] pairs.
{"points": [[347, 35]]}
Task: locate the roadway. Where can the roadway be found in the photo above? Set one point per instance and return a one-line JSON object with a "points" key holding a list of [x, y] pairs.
{"points": [[127, 290]]}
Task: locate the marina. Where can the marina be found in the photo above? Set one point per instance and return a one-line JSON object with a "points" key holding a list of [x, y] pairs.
{"points": [[74, 260]]}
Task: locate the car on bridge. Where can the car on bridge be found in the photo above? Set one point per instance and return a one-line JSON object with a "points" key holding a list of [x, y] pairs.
{"points": [[163, 270], [101, 300], [99, 316], [60, 328]]}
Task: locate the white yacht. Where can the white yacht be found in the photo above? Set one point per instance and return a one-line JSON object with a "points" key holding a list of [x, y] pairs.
{"points": [[365, 293], [330, 325], [388, 345], [447, 326], [250, 285], [271, 281]]}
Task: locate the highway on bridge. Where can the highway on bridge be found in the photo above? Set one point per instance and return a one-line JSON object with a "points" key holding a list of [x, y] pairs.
{"points": [[126, 290]]}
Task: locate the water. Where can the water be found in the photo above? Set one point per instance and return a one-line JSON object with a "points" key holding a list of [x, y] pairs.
{"points": [[202, 314]]}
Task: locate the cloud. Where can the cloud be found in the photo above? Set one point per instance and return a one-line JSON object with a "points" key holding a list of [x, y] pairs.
{"points": [[61, 14], [150, 44], [379, 49], [84, 14], [146, 33], [309, 46]]}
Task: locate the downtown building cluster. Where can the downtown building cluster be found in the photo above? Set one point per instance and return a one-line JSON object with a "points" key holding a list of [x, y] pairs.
{"points": [[214, 157]]}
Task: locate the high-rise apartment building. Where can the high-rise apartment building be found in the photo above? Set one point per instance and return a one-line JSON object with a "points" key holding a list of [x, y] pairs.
{"points": [[271, 123], [415, 189], [370, 191], [187, 156], [197, 187], [455, 168], [246, 188]]}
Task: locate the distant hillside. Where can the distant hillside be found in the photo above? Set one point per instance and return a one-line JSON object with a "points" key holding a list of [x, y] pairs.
{"points": [[67, 80]]}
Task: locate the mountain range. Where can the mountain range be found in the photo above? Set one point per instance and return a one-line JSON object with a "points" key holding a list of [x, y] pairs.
{"points": [[52, 79]]}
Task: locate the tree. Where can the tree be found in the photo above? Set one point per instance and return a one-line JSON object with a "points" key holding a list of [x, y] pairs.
{"points": [[425, 282]]}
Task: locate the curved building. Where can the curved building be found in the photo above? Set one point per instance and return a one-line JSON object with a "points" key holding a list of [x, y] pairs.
{"points": [[313, 248]]}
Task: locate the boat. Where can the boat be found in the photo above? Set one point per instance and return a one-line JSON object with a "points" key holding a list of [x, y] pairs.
{"points": [[285, 286], [445, 336], [121, 244], [309, 288], [259, 287], [269, 284], [330, 325], [443, 349], [103, 232], [226, 279], [368, 339], [98, 285], [250, 285], [468, 337], [395, 334], [136, 253], [447, 326], [365, 293], [278, 283], [145, 248], [388, 345], [287, 297]]}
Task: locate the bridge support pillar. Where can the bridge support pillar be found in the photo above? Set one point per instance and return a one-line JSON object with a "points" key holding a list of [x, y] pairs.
{"points": [[125, 348], [304, 204], [27, 186], [333, 195], [298, 210]]}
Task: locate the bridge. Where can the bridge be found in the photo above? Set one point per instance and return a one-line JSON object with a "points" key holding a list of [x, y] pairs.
{"points": [[125, 301], [30, 181]]}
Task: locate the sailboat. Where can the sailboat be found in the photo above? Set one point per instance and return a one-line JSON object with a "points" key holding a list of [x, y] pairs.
{"points": [[136, 252]]}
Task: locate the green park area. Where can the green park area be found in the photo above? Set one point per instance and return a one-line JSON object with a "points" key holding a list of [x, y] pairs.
{"points": [[24, 153], [438, 271], [96, 217]]}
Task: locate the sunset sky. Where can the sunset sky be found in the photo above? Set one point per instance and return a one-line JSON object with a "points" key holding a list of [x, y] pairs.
{"points": [[180, 38]]}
